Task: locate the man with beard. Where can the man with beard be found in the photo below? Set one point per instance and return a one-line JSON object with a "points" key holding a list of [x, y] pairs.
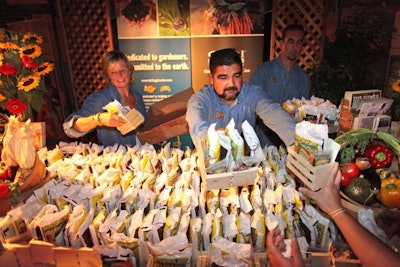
{"points": [[282, 78], [228, 97]]}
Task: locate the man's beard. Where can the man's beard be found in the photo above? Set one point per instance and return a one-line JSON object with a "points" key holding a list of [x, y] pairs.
{"points": [[229, 97]]}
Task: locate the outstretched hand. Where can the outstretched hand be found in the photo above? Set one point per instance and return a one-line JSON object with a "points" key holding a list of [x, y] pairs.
{"points": [[327, 198], [275, 247], [111, 119]]}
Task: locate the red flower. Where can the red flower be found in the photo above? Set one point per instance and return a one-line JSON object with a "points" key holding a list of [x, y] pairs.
{"points": [[8, 69], [16, 106], [28, 62]]}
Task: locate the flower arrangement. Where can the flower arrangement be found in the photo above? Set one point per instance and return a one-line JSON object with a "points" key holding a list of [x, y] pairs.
{"points": [[21, 71]]}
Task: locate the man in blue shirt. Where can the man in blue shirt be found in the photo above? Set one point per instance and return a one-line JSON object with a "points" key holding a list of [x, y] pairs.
{"points": [[229, 97], [282, 78]]}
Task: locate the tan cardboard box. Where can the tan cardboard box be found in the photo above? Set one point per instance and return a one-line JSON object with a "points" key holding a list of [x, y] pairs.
{"points": [[166, 119]]}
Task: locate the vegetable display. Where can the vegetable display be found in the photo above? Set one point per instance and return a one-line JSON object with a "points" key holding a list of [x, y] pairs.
{"points": [[373, 153]]}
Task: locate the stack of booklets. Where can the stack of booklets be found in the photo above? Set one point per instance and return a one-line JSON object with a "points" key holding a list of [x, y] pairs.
{"points": [[369, 109]]}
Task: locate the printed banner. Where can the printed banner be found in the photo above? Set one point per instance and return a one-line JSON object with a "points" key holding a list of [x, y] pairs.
{"points": [[170, 41]]}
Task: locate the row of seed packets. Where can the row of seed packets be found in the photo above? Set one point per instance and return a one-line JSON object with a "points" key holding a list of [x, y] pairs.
{"points": [[117, 198], [315, 109]]}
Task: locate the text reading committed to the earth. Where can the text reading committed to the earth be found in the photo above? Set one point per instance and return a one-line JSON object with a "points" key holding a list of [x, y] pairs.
{"points": [[148, 62]]}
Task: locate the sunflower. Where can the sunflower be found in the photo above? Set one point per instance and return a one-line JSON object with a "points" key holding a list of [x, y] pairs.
{"points": [[31, 37], [396, 85], [8, 45], [2, 97], [32, 51], [44, 68], [16, 106], [28, 83]]}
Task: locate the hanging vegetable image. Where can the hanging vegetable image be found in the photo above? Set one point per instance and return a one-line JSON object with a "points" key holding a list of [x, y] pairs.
{"points": [[233, 17]]}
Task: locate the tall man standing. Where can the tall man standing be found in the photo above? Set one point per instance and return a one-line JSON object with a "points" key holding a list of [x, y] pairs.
{"points": [[282, 78]]}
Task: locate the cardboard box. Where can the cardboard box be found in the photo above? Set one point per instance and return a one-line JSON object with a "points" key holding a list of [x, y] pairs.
{"points": [[346, 117], [166, 119]]}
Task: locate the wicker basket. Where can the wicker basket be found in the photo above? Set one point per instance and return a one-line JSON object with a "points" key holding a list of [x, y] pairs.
{"points": [[28, 180], [354, 207]]}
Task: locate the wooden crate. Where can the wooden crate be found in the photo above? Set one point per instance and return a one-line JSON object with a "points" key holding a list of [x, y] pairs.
{"points": [[226, 179], [314, 177], [259, 259]]}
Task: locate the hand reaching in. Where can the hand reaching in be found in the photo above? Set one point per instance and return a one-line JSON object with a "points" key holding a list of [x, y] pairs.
{"points": [[275, 247]]}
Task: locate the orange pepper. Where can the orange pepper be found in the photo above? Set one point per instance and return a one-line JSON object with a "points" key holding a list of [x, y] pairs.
{"points": [[389, 194]]}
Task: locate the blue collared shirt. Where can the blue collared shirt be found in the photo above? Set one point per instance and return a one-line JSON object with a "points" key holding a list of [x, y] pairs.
{"points": [[93, 104], [205, 108], [280, 84]]}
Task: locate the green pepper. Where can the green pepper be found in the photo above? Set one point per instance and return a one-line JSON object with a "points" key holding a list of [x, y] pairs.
{"points": [[379, 155]]}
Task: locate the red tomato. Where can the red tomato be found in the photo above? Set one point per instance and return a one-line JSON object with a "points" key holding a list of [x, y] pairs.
{"points": [[345, 180], [4, 190], [349, 171]]}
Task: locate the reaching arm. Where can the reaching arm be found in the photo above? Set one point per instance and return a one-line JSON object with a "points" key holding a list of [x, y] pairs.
{"points": [[85, 124], [367, 247]]}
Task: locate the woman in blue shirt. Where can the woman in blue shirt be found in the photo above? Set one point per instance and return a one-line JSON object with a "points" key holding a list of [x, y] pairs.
{"points": [[91, 116]]}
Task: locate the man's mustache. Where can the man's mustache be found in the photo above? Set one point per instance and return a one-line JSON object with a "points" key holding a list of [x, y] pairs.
{"points": [[232, 88]]}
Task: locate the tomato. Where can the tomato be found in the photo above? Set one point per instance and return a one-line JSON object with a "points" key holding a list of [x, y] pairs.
{"points": [[349, 171], [345, 180], [4, 190]]}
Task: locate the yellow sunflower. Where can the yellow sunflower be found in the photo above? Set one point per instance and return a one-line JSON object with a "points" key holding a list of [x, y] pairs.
{"points": [[28, 37], [2, 98], [28, 83], [8, 45], [396, 86], [32, 51], [44, 68]]}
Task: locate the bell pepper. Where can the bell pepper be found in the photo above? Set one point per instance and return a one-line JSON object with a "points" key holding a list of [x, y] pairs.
{"points": [[389, 194], [379, 155]]}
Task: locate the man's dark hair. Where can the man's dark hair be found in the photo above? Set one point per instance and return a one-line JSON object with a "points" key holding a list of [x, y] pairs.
{"points": [[291, 27], [224, 57]]}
